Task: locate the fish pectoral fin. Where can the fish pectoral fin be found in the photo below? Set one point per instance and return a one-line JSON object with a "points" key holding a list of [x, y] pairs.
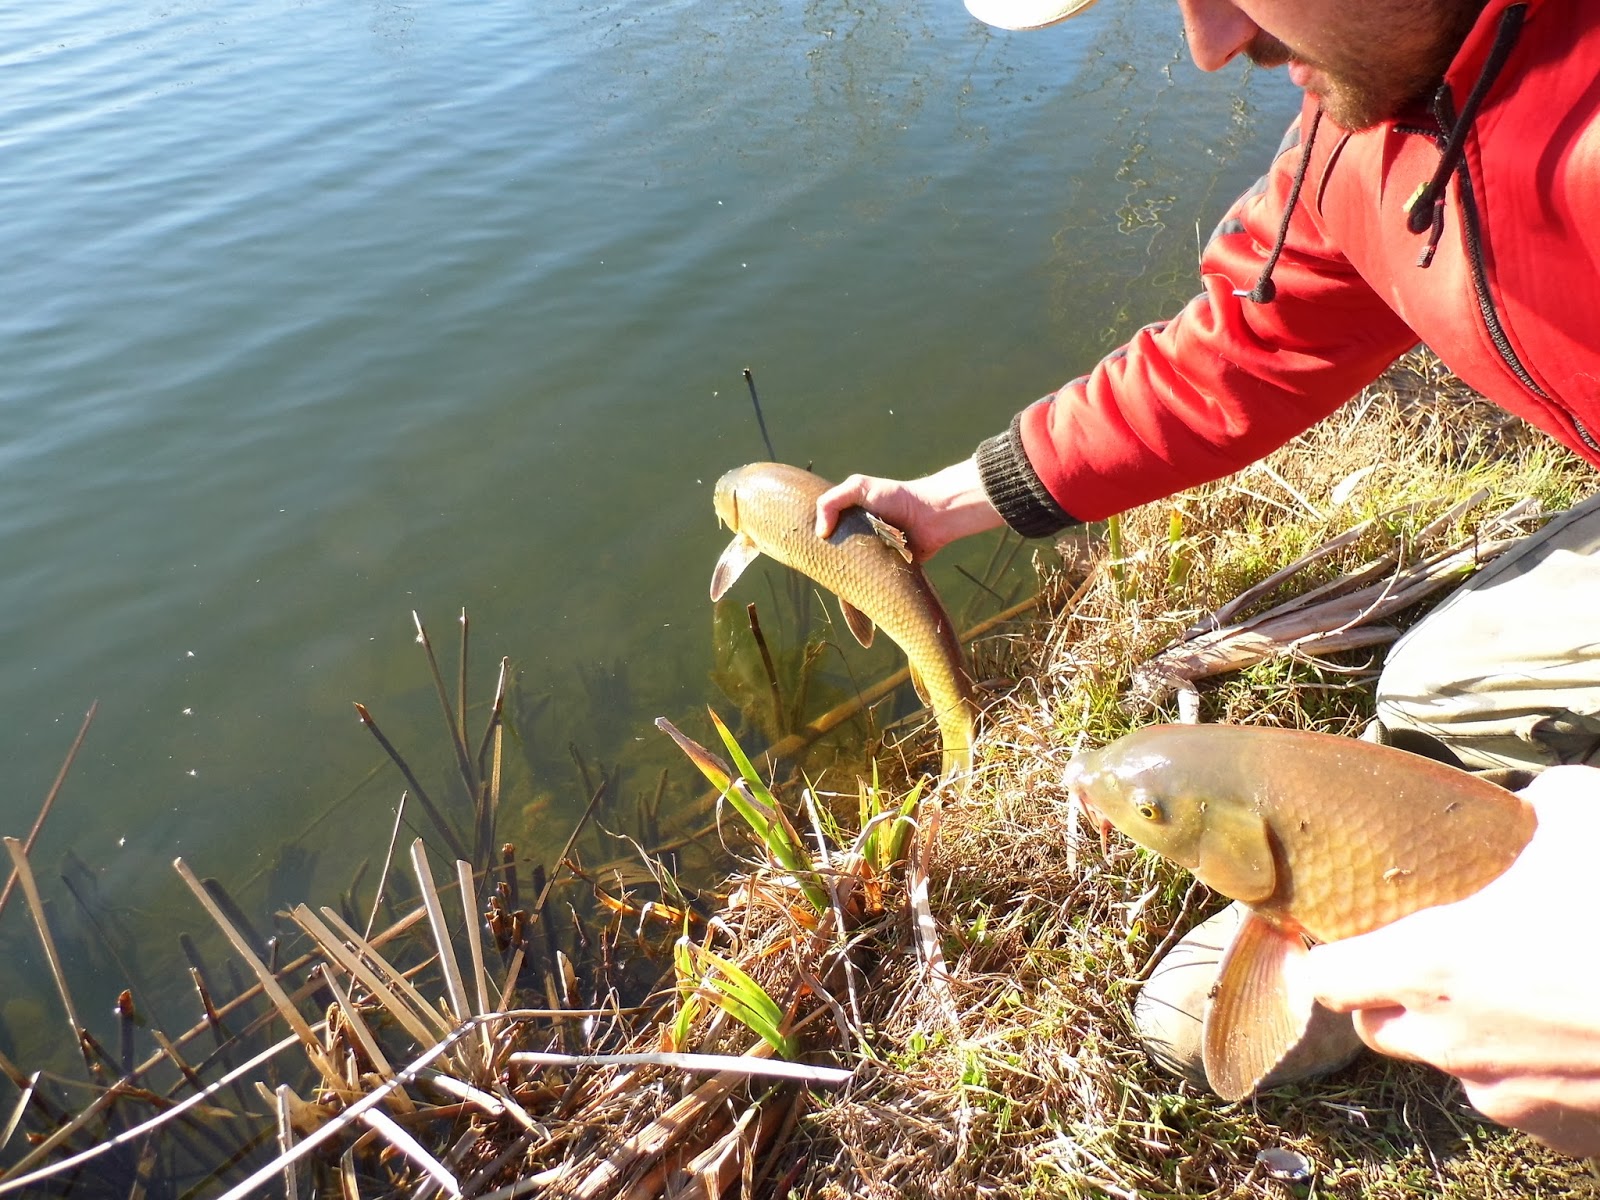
{"points": [[921, 687], [741, 552], [1236, 856], [894, 537], [860, 624], [1259, 1010]]}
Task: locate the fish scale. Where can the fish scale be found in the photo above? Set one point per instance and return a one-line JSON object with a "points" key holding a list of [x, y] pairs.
{"points": [[771, 507], [1367, 834]]}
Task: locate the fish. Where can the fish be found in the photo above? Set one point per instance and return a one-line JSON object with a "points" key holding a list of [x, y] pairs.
{"points": [[1321, 837], [866, 564]]}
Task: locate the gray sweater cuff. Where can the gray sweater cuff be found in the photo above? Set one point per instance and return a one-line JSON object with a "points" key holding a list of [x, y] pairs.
{"points": [[1014, 488]]}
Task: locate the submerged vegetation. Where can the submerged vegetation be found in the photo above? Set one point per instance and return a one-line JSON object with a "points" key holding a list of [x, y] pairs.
{"points": [[549, 1024]]}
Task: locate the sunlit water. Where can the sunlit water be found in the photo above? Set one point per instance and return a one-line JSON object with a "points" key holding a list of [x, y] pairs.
{"points": [[316, 313]]}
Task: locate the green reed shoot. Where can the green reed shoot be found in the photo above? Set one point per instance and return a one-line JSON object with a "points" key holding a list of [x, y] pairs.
{"points": [[1180, 551], [754, 801], [1115, 562], [883, 836], [688, 995], [725, 984]]}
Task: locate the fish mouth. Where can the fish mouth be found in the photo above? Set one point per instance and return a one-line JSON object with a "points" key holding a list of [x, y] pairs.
{"points": [[1096, 818], [1072, 778]]}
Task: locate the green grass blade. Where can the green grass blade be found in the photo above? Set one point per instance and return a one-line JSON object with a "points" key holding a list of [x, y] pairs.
{"points": [[755, 803], [745, 1000], [782, 839]]}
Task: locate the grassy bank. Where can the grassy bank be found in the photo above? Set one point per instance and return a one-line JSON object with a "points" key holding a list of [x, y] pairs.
{"points": [[464, 1044], [1043, 1089]]}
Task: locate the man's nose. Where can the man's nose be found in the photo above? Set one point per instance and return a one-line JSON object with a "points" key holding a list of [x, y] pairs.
{"points": [[1217, 31]]}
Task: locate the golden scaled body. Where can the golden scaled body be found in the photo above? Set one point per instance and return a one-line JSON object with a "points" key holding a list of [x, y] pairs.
{"points": [[771, 508], [1321, 836]]}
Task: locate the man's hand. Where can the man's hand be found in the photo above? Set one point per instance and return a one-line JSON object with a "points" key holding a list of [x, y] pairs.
{"points": [[932, 511], [1501, 989]]}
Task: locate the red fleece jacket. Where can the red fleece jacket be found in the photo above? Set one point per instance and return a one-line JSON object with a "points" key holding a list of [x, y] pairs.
{"points": [[1509, 298]]}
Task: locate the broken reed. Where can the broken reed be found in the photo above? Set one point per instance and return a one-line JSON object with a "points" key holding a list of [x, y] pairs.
{"points": [[122, 1085]]}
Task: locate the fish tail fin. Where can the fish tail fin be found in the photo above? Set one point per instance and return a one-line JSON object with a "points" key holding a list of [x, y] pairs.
{"points": [[957, 761], [1260, 1009], [955, 737]]}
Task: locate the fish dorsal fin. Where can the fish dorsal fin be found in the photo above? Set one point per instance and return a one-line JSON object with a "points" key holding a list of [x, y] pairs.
{"points": [[892, 536], [741, 552], [1259, 1010], [860, 624], [919, 685], [1236, 854]]}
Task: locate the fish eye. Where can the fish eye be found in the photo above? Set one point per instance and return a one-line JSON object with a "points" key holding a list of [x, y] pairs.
{"points": [[1149, 810]]}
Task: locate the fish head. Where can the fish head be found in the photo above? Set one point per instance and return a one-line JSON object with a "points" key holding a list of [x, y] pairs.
{"points": [[1133, 794], [1140, 792]]}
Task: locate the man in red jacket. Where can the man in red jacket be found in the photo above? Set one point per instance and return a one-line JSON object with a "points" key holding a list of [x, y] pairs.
{"points": [[1442, 185]]}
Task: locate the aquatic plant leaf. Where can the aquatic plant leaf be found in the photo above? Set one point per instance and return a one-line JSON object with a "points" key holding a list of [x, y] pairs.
{"points": [[731, 989], [754, 802], [357, 1025], [22, 872], [21, 1108], [393, 990], [269, 982], [397, 1136], [50, 800], [884, 830], [480, 975], [283, 1105], [455, 986], [743, 1064], [712, 767], [781, 837], [688, 1000]]}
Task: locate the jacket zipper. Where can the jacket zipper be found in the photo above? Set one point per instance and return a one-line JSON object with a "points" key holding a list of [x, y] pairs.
{"points": [[1480, 284], [1491, 317]]}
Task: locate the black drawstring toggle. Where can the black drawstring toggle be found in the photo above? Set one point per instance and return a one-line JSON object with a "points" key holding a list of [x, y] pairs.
{"points": [[1264, 292], [1426, 213]]}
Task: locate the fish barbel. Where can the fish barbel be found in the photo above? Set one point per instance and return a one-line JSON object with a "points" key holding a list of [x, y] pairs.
{"points": [[772, 510], [1322, 837]]}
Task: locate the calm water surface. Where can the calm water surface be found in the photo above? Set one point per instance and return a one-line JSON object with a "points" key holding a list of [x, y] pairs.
{"points": [[320, 312]]}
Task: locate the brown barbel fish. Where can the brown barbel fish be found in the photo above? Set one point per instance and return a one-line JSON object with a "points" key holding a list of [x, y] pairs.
{"points": [[1322, 837], [772, 510]]}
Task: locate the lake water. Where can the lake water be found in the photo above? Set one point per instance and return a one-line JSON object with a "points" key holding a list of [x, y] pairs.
{"points": [[319, 312]]}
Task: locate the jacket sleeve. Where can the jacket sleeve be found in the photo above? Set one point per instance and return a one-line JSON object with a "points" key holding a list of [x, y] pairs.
{"points": [[1221, 384]]}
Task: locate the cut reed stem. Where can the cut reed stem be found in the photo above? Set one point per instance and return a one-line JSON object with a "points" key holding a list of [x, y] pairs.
{"points": [[49, 800], [22, 872], [446, 830]]}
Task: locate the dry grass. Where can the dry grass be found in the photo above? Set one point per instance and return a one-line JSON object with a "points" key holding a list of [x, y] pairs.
{"points": [[1045, 1091]]}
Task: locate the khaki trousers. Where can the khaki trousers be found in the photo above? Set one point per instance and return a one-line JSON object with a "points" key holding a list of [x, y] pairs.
{"points": [[1506, 672]]}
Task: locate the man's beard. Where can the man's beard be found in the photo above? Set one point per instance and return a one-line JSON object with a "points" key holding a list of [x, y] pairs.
{"points": [[1358, 96]]}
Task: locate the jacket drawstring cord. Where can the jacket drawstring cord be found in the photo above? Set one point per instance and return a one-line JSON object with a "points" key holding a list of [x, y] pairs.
{"points": [[1427, 207], [1265, 290]]}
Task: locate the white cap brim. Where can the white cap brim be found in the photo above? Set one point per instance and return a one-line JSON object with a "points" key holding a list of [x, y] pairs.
{"points": [[1025, 14]]}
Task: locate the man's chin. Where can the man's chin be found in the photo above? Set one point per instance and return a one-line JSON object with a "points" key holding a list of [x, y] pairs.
{"points": [[1355, 109]]}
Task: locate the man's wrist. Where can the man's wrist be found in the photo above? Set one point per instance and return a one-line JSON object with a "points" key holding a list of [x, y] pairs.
{"points": [[1014, 488]]}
